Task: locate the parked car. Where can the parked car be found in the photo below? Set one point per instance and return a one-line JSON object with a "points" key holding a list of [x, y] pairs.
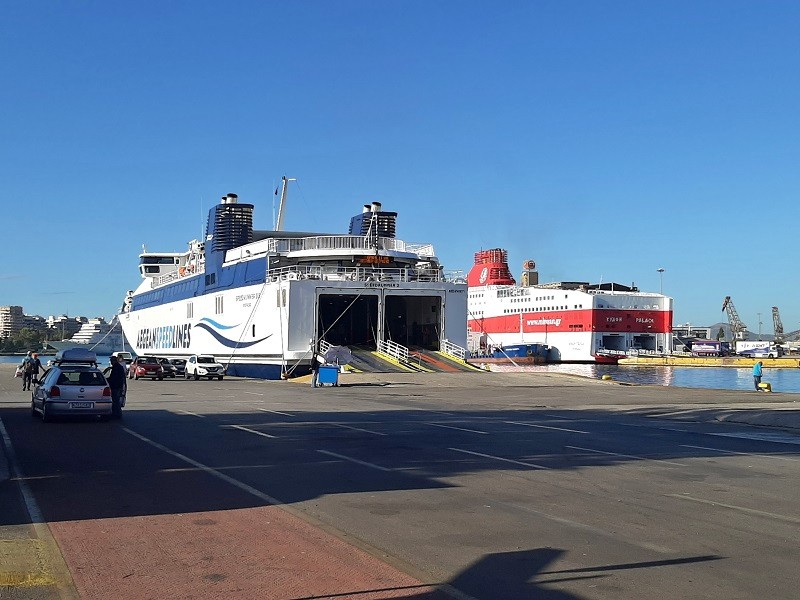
{"points": [[126, 357], [203, 365], [146, 366], [73, 386], [180, 366], [169, 368]]}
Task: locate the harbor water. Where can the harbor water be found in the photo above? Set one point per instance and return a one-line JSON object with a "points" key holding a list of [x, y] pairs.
{"points": [[721, 378]]}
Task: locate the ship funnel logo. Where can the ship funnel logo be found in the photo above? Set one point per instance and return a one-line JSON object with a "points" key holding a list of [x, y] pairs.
{"points": [[484, 274]]}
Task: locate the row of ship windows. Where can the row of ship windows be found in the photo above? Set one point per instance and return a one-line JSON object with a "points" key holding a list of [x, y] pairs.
{"points": [[539, 309]]}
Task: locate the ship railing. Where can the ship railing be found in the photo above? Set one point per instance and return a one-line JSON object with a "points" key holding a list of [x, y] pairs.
{"points": [[360, 274], [324, 346], [177, 274], [393, 349], [345, 242], [451, 349]]}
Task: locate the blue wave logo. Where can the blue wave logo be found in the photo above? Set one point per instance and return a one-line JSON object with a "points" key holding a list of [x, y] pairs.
{"points": [[227, 342], [217, 325]]}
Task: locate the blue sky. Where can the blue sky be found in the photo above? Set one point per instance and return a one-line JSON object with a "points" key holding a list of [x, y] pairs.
{"points": [[601, 139]]}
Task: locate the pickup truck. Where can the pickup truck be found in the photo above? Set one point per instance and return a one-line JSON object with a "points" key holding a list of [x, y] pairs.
{"points": [[203, 365]]}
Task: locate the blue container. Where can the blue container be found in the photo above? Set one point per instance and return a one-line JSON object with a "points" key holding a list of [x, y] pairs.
{"points": [[328, 374]]}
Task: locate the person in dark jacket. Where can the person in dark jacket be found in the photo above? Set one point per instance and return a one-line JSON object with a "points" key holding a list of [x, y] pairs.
{"points": [[117, 382]]}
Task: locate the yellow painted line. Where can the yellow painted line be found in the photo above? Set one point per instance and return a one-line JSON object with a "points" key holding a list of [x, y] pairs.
{"points": [[23, 563], [391, 359], [457, 361]]}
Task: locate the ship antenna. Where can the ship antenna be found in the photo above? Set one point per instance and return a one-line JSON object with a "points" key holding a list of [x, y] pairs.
{"points": [[284, 188]]}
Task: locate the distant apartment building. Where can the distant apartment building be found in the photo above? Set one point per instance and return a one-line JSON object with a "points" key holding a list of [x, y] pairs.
{"points": [[34, 322], [11, 320]]}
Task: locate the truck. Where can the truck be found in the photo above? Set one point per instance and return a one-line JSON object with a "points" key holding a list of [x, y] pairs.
{"points": [[710, 348], [758, 349]]}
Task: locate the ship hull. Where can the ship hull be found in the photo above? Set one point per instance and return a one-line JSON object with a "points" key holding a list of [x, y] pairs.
{"points": [[267, 330]]}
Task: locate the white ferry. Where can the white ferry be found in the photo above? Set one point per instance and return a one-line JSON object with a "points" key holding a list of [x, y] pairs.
{"points": [[261, 300], [579, 321], [95, 335]]}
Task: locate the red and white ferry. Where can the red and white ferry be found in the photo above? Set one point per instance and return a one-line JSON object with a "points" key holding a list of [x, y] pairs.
{"points": [[580, 322]]}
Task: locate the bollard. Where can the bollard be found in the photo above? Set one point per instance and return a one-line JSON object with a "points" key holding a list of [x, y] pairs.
{"points": [[606, 378], [765, 387]]}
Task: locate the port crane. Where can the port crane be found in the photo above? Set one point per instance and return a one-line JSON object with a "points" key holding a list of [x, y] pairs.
{"points": [[776, 321], [737, 327]]}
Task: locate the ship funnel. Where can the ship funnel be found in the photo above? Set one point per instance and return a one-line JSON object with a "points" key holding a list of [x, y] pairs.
{"points": [[374, 221], [230, 224]]}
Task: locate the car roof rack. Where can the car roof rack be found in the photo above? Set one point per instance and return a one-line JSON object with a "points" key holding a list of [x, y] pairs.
{"points": [[76, 356]]}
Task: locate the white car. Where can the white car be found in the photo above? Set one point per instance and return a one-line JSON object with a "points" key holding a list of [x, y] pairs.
{"points": [[203, 365]]}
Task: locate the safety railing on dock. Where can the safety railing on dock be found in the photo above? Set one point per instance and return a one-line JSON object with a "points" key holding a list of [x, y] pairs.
{"points": [[448, 347], [393, 349]]}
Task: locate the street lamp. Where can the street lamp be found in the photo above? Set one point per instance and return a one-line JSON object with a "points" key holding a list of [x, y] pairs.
{"points": [[759, 326], [660, 271]]}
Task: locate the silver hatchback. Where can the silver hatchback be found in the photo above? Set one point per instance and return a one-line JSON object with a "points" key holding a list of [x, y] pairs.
{"points": [[73, 386]]}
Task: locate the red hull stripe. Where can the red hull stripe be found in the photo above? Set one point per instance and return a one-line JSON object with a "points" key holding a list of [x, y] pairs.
{"points": [[604, 321]]}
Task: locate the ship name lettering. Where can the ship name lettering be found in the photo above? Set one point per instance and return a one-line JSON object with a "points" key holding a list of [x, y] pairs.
{"points": [[164, 337], [381, 285], [644, 320], [613, 319]]}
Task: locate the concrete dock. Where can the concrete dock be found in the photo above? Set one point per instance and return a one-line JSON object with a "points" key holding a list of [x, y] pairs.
{"points": [[418, 486]]}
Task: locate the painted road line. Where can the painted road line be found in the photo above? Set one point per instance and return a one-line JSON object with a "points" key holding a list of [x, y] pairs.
{"points": [[457, 428], [545, 427], [248, 430], [754, 454], [750, 511], [668, 462], [776, 438], [186, 412], [354, 460], [275, 412], [500, 458], [211, 471], [355, 428], [39, 559], [253, 393], [656, 427]]}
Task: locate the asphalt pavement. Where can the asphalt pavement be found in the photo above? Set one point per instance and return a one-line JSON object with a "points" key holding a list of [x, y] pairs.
{"points": [[468, 485]]}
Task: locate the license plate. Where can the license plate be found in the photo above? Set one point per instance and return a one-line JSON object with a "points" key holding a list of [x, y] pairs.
{"points": [[81, 404]]}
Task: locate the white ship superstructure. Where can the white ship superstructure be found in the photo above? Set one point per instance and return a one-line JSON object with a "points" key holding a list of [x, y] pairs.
{"points": [[96, 335], [260, 300]]}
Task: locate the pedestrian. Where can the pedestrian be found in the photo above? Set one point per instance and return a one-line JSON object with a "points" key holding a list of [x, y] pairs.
{"points": [[314, 370], [37, 365], [117, 382], [757, 375], [27, 371]]}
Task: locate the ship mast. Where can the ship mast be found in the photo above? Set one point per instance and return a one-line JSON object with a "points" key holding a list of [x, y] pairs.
{"points": [[284, 190]]}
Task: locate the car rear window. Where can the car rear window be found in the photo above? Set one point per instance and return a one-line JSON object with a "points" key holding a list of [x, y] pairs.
{"points": [[84, 378]]}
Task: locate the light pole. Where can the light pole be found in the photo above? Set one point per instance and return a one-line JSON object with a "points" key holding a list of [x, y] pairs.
{"points": [[759, 326], [660, 271]]}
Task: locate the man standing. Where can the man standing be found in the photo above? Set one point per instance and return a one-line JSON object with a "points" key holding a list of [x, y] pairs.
{"points": [[757, 375], [27, 371], [117, 383]]}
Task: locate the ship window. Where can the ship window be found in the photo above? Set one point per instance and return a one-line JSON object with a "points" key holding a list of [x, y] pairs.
{"points": [[283, 297], [254, 330], [149, 269], [277, 297], [189, 310], [218, 302]]}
